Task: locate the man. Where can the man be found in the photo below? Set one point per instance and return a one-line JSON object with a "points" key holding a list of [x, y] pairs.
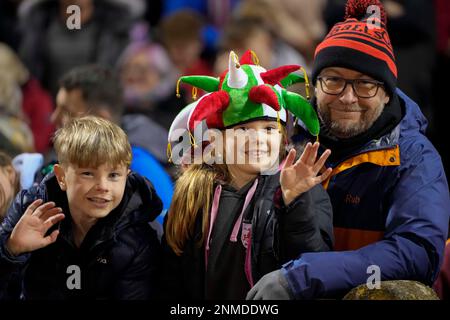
{"points": [[96, 90], [388, 188]]}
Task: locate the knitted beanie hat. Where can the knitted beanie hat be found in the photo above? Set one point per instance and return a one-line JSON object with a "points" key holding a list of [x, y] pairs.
{"points": [[360, 43]]}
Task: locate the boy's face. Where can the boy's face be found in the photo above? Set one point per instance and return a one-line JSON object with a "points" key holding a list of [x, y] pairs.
{"points": [[92, 193]]}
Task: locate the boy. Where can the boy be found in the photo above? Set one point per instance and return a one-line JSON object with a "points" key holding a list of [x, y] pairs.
{"points": [[84, 232]]}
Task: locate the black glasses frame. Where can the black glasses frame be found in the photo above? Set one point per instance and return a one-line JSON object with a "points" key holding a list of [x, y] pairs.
{"points": [[352, 82]]}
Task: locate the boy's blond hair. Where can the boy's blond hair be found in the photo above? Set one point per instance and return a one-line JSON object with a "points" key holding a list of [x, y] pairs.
{"points": [[91, 142]]}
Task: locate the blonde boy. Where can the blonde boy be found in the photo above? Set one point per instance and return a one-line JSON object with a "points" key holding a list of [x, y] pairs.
{"points": [[84, 232]]}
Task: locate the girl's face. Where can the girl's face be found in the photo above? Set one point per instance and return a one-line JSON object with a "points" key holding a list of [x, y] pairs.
{"points": [[253, 148]]}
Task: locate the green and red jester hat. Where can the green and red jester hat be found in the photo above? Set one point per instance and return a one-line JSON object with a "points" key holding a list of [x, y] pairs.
{"points": [[243, 93]]}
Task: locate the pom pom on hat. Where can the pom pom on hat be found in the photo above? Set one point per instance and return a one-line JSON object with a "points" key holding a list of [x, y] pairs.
{"points": [[357, 9]]}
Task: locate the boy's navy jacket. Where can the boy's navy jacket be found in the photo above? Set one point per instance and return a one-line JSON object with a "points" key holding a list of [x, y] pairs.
{"points": [[280, 233], [118, 259]]}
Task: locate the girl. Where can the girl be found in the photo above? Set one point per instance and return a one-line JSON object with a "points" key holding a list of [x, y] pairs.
{"points": [[229, 224]]}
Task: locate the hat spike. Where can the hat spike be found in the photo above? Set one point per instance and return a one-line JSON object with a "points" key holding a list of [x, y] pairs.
{"points": [[237, 78], [264, 94], [274, 76]]}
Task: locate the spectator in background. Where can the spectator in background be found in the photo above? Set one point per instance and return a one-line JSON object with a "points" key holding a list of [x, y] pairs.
{"points": [[37, 105], [440, 79], [7, 146], [13, 128], [255, 34], [442, 283], [181, 34], [9, 183], [96, 90], [148, 79], [9, 186], [50, 49], [440, 94], [289, 21], [16, 174], [9, 32], [216, 15]]}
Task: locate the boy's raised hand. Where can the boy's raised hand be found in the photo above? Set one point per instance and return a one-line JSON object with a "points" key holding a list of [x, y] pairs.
{"points": [[297, 178], [29, 232]]}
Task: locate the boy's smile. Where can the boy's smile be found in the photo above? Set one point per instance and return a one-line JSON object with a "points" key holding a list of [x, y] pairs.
{"points": [[92, 192]]}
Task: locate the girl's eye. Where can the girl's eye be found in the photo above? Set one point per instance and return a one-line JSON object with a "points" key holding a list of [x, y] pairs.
{"points": [[86, 173]]}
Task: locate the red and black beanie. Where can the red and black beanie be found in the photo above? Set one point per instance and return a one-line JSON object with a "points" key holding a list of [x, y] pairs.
{"points": [[360, 43]]}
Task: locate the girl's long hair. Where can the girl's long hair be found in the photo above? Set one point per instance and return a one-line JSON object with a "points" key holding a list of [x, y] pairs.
{"points": [[194, 192], [5, 162]]}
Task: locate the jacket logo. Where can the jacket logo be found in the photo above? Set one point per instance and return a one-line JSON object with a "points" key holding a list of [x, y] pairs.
{"points": [[351, 199], [102, 260], [245, 236]]}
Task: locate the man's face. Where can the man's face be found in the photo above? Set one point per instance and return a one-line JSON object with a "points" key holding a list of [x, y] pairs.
{"points": [[69, 104], [92, 193], [346, 115]]}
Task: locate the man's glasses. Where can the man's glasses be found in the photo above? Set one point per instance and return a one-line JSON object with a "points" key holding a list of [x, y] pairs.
{"points": [[363, 88]]}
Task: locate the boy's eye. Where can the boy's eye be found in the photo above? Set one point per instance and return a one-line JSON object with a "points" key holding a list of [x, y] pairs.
{"points": [[114, 175]]}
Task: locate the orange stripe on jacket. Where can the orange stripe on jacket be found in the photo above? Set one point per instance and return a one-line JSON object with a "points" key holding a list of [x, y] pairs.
{"points": [[383, 157]]}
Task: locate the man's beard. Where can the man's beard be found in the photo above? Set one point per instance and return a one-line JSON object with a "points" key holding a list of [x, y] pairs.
{"points": [[341, 130]]}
